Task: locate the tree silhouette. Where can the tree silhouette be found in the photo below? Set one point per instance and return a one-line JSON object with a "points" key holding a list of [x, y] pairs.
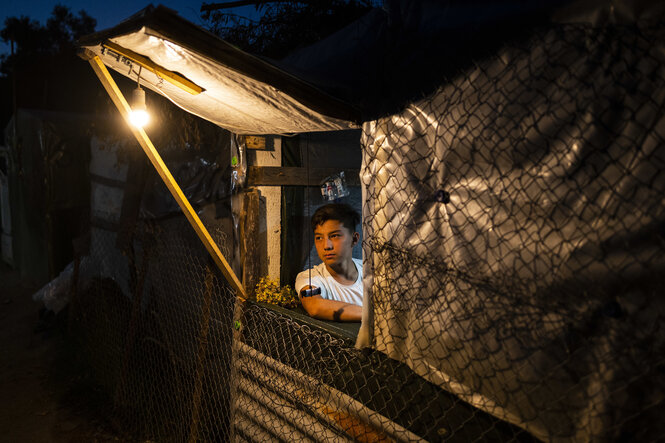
{"points": [[32, 40], [43, 71], [282, 25]]}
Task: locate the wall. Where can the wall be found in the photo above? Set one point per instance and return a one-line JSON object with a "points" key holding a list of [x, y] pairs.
{"points": [[270, 227]]}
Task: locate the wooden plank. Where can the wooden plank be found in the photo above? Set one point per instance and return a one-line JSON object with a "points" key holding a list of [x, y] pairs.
{"points": [[251, 260], [257, 143], [170, 76], [156, 160], [293, 176]]}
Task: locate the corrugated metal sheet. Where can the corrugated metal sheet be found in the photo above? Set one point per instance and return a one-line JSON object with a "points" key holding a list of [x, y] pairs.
{"points": [[273, 399]]}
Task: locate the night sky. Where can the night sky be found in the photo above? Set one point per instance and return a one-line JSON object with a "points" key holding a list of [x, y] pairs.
{"points": [[107, 13]]}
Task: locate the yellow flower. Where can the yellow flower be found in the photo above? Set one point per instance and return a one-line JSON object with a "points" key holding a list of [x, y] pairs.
{"points": [[269, 291]]}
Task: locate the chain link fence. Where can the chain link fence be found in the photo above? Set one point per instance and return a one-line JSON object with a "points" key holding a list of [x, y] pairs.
{"points": [[181, 359], [513, 268], [514, 248]]}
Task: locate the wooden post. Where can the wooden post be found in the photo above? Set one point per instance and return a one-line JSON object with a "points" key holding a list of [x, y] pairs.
{"points": [[137, 297], [156, 160], [73, 291], [200, 357], [251, 264]]}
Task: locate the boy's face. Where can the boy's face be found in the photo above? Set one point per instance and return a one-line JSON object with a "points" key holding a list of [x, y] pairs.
{"points": [[334, 242]]}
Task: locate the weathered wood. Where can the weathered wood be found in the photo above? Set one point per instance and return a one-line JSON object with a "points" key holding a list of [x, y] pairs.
{"points": [[293, 176], [134, 320], [170, 76], [170, 182], [202, 343], [74, 291], [252, 261], [259, 143]]}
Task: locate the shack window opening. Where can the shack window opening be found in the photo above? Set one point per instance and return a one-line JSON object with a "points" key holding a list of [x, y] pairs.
{"points": [[313, 170]]}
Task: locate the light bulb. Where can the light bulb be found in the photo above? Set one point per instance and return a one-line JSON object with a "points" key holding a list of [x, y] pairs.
{"points": [[139, 118], [139, 115]]}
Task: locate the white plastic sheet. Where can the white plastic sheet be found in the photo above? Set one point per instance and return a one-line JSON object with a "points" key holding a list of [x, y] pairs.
{"points": [[232, 99], [500, 293]]}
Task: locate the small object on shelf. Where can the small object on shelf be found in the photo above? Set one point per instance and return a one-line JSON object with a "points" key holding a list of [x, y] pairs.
{"points": [[334, 187]]}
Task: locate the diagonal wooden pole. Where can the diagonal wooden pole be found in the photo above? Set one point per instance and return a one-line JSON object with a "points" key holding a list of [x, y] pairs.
{"points": [[156, 160]]}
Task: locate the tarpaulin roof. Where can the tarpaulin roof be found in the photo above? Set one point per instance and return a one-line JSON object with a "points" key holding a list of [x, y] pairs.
{"points": [[239, 92]]}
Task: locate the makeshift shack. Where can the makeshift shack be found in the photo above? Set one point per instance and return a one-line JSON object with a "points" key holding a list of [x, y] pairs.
{"points": [[513, 251]]}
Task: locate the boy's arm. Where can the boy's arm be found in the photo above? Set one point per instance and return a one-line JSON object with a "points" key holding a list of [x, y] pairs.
{"points": [[324, 309]]}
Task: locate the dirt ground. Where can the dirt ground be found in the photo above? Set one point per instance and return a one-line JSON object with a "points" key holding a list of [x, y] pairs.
{"points": [[44, 396]]}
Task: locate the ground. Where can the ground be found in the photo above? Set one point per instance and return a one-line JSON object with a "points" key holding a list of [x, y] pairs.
{"points": [[45, 396]]}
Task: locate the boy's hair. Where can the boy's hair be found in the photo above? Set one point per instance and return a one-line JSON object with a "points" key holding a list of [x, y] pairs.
{"points": [[340, 212]]}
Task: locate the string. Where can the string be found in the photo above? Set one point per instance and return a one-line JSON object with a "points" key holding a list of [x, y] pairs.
{"points": [[309, 232]]}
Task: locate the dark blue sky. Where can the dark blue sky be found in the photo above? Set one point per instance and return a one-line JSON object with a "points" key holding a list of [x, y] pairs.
{"points": [[107, 13]]}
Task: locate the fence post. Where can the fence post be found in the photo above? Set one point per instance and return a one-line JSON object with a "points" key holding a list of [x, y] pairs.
{"points": [[200, 356], [250, 232]]}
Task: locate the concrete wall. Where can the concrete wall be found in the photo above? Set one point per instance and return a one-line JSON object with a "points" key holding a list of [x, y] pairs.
{"points": [[270, 227]]}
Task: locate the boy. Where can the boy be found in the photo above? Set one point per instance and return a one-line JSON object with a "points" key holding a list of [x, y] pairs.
{"points": [[333, 290]]}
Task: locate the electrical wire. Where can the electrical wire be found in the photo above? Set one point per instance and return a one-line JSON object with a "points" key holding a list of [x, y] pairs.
{"points": [[309, 232]]}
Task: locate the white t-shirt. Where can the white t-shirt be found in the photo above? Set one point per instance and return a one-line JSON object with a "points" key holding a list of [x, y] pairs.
{"points": [[331, 289]]}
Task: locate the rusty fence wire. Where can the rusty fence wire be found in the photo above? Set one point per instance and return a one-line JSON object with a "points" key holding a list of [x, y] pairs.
{"points": [[513, 261], [180, 359]]}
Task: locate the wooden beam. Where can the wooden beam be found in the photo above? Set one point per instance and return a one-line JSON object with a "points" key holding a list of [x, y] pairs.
{"points": [[293, 176], [259, 143], [170, 76], [251, 268], [156, 160]]}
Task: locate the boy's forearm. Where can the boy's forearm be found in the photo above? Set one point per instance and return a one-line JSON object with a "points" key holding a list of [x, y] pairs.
{"points": [[332, 310], [347, 312]]}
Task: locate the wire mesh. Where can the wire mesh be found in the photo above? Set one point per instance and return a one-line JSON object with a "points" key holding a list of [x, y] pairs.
{"points": [[181, 360], [514, 245], [161, 349], [513, 253]]}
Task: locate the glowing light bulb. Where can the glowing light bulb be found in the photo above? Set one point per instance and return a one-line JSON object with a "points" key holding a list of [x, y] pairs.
{"points": [[139, 116]]}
